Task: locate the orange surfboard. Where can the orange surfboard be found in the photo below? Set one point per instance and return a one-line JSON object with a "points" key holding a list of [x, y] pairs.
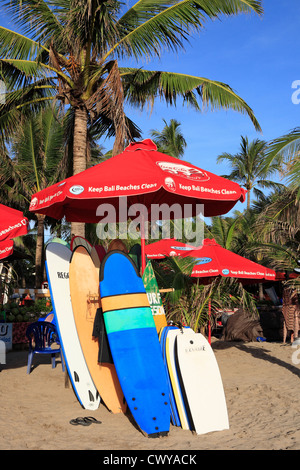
{"points": [[85, 297]]}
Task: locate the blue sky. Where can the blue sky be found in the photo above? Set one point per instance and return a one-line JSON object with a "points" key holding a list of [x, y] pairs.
{"points": [[258, 57]]}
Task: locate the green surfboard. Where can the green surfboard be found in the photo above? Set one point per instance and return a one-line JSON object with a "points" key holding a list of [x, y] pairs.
{"points": [[154, 297]]}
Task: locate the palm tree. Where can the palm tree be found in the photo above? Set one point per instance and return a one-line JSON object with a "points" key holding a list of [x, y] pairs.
{"points": [[223, 230], [170, 140], [287, 149], [68, 50], [37, 161], [249, 167], [278, 230]]}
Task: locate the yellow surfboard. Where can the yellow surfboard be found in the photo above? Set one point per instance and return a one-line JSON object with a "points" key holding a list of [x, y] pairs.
{"points": [[85, 297]]}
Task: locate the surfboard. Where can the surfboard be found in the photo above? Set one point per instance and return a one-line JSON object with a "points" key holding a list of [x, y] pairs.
{"points": [[97, 253], [134, 343], [57, 266], [170, 342], [80, 241], [202, 382], [85, 298], [100, 251], [60, 240], [135, 253], [154, 297], [175, 419], [96, 261]]}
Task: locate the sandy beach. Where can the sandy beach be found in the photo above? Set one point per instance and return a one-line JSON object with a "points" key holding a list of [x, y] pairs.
{"points": [[261, 382]]}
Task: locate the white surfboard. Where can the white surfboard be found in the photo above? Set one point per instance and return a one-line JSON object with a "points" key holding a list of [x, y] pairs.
{"points": [[172, 369], [57, 263], [201, 378]]}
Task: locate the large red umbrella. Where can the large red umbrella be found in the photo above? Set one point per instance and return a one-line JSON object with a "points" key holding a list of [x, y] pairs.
{"points": [[145, 176], [6, 248], [167, 247], [214, 260], [12, 224]]}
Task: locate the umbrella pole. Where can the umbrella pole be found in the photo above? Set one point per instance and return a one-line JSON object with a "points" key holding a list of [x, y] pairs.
{"points": [[143, 243], [143, 254]]}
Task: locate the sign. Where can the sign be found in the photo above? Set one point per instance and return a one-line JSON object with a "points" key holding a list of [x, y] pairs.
{"points": [[5, 337]]}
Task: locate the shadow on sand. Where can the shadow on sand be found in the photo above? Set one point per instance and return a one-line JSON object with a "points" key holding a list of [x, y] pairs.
{"points": [[257, 353]]}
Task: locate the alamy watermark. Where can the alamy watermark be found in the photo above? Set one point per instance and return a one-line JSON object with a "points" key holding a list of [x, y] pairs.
{"points": [[2, 352], [159, 221], [296, 355], [296, 93], [2, 92]]}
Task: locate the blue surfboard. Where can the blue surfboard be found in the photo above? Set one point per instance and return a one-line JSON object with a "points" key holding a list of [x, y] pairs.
{"points": [[134, 343]]}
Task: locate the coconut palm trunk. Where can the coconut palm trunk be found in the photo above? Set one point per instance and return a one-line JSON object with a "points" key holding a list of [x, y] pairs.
{"points": [[79, 157]]}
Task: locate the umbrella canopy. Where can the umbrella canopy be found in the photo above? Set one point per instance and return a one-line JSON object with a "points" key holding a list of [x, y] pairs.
{"points": [[12, 224], [167, 247], [144, 176], [214, 260], [6, 249]]}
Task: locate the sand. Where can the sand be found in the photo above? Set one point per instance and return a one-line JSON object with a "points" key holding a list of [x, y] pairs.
{"points": [[261, 382]]}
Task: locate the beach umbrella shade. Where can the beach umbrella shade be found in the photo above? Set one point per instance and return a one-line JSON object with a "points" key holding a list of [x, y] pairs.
{"points": [[6, 249], [12, 224], [212, 260], [167, 247], [144, 180]]}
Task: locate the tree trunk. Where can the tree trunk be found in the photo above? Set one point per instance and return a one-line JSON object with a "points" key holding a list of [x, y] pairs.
{"points": [[261, 292], [39, 261], [248, 199], [79, 157]]}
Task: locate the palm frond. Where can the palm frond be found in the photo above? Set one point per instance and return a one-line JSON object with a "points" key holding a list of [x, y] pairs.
{"points": [[284, 147], [38, 18], [143, 86], [17, 46], [148, 27]]}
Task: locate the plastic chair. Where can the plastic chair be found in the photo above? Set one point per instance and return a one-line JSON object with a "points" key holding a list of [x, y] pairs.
{"points": [[41, 336]]}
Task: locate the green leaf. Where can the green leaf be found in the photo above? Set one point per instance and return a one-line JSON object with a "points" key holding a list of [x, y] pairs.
{"points": [[151, 26], [143, 86]]}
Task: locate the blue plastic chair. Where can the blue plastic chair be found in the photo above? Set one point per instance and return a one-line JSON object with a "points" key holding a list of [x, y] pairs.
{"points": [[41, 336]]}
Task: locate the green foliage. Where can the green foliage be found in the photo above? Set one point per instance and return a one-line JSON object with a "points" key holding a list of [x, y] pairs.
{"points": [[16, 313], [68, 50], [170, 140], [190, 302], [249, 167]]}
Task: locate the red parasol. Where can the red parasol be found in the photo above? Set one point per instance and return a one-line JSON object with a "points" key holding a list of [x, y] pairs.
{"points": [[143, 175], [214, 260], [167, 247], [6, 249], [12, 224]]}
